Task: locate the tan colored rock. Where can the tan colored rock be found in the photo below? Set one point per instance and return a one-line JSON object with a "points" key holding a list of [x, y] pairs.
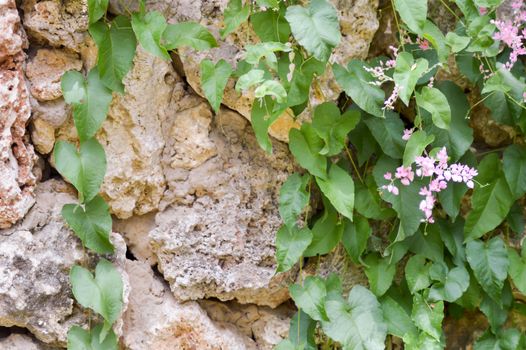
{"points": [[12, 36], [57, 23], [42, 135], [36, 256], [45, 70], [216, 239], [135, 231], [155, 320], [22, 342], [55, 112], [17, 157], [267, 326]]}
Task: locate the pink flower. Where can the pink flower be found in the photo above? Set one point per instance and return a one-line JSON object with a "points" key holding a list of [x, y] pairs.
{"points": [[405, 175], [388, 176], [423, 44], [407, 134], [483, 11]]}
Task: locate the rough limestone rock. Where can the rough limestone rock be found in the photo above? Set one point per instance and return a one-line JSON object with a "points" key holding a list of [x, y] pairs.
{"points": [[57, 23], [155, 320], [358, 21], [36, 256], [132, 137], [22, 342], [17, 157], [217, 238], [267, 326], [135, 231], [45, 70], [12, 36]]}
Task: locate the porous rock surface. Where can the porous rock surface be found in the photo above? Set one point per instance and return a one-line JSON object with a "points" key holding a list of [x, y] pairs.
{"points": [[17, 157], [156, 320], [22, 342], [217, 238], [36, 256]]}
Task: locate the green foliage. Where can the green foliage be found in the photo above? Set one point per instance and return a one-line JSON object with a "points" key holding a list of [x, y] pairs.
{"points": [[149, 29], [91, 223], [84, 169], [316, 27], [235, 14], [116, 51], [214, 78], [102, 293], [90, 98], [188, 34], [81, 339], [352, 149]]}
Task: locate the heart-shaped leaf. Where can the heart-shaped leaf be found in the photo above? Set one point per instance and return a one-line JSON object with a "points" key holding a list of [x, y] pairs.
{"points": [[189, 34], [81, 339], [92, 224], [84, 169], [213, 81]]}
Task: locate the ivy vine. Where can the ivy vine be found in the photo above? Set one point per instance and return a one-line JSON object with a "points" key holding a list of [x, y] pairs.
{"points": [[370, 166]]}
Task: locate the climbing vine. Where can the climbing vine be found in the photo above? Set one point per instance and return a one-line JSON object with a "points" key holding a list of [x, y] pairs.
{"points": [[436, 226]]}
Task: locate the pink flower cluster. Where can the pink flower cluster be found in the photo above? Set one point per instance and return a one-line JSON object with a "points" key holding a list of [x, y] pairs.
{"points": [[440, 174], [510, 33]]}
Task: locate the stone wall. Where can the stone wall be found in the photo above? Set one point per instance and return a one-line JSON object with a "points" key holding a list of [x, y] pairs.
{"points": [[193, 196]]}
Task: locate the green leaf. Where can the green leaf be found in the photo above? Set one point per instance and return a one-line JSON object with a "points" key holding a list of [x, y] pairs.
{"points": [[290, 245], [149, 29], [456, 42], [338, 187], [417, 273], [73, 87], [416, 145], [302, 331], [407, 72], [497, 313], [265, 50], [358, 84], [332, 127], [517, 268], [355, 237], [271, 88], [388, 133], [368, 203], [81, 339], [271, 25], [97, 9], [90, 100], [316, 28], [459, 137], [399, 323], [213, 81], [116, 51], [452, 234], [428, 317], [326, 232], [421, 341], [380, 273], [436, 103], [249, 79], [358, 324], [507, 339], [188, 34], [264, 113], [102, 293], [92, 224], [310, 297], [305, 145], [293, 197], [413, 13], [235, 14], [514, 160], [489, 261], [434, 35], [455, 284], [85, 169], [491, 203]]}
